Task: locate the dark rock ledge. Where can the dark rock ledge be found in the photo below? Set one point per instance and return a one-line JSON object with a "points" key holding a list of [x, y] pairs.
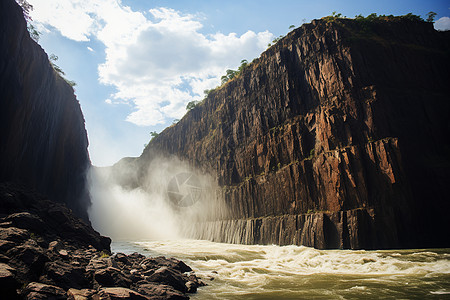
{"points": [[47, 253]]}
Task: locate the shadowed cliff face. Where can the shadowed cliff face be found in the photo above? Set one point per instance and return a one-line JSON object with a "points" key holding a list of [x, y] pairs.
{"points": [[43, 142], [336, 137]]}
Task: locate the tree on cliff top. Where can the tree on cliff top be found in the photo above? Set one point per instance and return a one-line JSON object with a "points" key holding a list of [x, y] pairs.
{"points": [[430, 16], [26, 8], [191, 105]]}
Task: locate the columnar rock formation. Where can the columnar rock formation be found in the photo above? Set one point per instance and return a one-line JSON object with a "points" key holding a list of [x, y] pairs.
{"points": [[336, 137], [43, 142]]}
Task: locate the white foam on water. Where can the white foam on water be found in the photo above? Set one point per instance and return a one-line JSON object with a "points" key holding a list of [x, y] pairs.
{"points": [[440, 292], [297, 272], [254, 264]]}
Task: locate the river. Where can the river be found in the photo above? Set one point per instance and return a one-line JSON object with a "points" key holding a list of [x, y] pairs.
{"points": [[293, 272]]}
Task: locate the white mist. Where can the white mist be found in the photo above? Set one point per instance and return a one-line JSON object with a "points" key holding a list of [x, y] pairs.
{"points": [[146, 213]]}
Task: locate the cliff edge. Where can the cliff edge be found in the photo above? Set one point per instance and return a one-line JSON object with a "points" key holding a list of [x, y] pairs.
{"points": [[43, 141], [336, 137]]}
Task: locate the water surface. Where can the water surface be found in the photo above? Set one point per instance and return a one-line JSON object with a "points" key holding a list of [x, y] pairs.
{"points": [[293, 272]]}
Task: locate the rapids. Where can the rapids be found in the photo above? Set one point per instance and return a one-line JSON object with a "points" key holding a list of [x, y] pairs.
{"points": [[293, 272]]}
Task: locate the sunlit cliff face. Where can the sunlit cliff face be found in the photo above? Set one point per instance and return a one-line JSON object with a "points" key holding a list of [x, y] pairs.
{"points": [[171, 198]]}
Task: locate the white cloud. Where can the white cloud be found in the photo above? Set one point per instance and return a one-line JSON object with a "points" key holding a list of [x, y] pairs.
{"points": [[442, 24], [72, 18], [159, 60], [108, 101], [90, 49]]}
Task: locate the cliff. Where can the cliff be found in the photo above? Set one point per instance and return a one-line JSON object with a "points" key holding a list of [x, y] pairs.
{"points": [[336, 137], [43, 141]]}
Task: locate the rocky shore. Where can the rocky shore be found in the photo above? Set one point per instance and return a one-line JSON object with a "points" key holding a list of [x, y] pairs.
{"points": [[48, 253]]}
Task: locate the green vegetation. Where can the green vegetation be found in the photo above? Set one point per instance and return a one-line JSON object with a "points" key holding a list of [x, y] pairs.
{"points": [[334, 16], [207, 92], [26, 9], [311, 154], [365, 26], [430, 16], [33, 236], [35, 35], [277, 39], [374, 17], [53, 58], [234, 73], [154, 134], [104, 254], [230, 74], [192, 104]]}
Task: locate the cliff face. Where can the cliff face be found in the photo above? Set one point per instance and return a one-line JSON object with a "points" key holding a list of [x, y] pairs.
{"points": [[336, 137], [43, 141]]}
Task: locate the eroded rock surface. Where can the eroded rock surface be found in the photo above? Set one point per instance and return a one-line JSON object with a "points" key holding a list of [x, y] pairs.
{"points": [[47, 253], [336, 137]]}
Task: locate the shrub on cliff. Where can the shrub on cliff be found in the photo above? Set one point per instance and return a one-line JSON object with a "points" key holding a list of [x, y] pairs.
{"points": [[234, 73], [192, 104], [26, 8], [430, 16], [373, 17]]}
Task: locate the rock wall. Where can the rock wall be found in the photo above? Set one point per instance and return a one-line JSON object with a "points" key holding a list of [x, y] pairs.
{"points": [[336, 137], [43, 141]]}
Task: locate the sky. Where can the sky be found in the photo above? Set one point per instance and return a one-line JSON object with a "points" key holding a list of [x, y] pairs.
{"points": [[138, 63]]}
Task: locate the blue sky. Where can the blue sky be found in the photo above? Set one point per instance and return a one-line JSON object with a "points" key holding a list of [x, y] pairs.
{"points": [[137, 63]]}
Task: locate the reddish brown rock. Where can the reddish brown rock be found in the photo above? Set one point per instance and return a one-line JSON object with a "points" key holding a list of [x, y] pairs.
{"points": [[8, 282], [84, 294], [37, 291], [160, 292], [349, 124], [120, 293]]}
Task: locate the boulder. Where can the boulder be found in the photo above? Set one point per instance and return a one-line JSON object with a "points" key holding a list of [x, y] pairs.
{"points": [[37, 291], [31, 257], [111, 277], [119, 293], [161, 261], [84, 294], [14, 234], [191, 287], [26, 220], [8, 282], [54, 246], [170, 277], [5, 245], [160, 292], [64, 275], [120, 257], [97, 263]]}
